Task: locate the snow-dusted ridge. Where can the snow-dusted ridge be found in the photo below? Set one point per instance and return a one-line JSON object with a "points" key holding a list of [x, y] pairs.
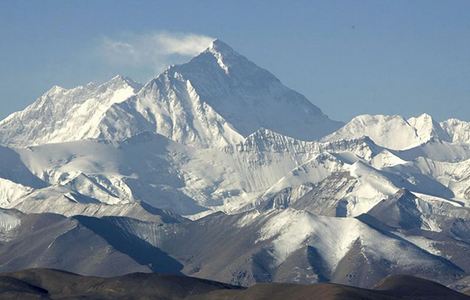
{"points": [[62, 115], [397, 133], [216, 99]]}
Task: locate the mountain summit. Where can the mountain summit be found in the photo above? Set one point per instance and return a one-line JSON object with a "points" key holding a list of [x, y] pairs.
{"points": [[397, 133], [217, 98]]}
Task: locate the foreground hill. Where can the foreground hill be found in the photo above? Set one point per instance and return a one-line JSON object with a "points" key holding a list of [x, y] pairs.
{"points": [[54, 284]]}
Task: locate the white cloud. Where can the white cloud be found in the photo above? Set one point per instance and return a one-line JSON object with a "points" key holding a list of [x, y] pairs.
{"points": [[190, 44], [152, 50]]}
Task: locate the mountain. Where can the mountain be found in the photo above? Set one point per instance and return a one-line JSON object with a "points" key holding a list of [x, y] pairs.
{"points": [[172, 176], [458, 130], [217, 98], [65, 114], [286, 245], [78, 244], [217, 152], [397, 133]]}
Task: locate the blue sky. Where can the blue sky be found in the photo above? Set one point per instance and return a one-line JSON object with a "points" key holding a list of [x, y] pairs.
{"points": [[347, 57]]}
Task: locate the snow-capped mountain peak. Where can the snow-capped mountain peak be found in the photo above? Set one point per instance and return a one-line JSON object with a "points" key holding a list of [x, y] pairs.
{"points": [[61, 114], [393, 132], [458, 131], [218, 46], [124, 80], [427, 128], [54, 90], [216, 99], [223, 53], [249, 97]]}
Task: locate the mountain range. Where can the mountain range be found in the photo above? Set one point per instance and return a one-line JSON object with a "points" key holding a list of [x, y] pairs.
{"points": [[55, 284], [217, 170]]}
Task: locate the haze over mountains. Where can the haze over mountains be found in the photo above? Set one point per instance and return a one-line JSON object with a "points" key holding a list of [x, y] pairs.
{"points": [[215, 169]]}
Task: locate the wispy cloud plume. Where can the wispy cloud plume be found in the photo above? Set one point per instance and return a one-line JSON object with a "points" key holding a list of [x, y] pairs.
{"points": [[152, 50]]}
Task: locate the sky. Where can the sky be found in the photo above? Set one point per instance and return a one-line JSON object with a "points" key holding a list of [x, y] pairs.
{"points": [[347, 57]]}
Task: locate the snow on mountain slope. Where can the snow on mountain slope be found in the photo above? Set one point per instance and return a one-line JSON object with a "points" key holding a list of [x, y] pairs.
{"points": [[11, 191], [371, 188], [455, 176], [458, 130], [169, 175], [64, 203], [137, 169], [386, 159], [298, 246], [365, 175], [13, 168], [91, 187], [249, 97], [169, 105], [62, 115], [265, 163], [428, 129], [437, 225], [333, 238], [344, 190], [80, 244], [393, 132], [408, 211], [438, 150], [335, 159], [311, 171], [159, 171], [8, 221], [277, 245], [282, 245], [215, 100]]}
